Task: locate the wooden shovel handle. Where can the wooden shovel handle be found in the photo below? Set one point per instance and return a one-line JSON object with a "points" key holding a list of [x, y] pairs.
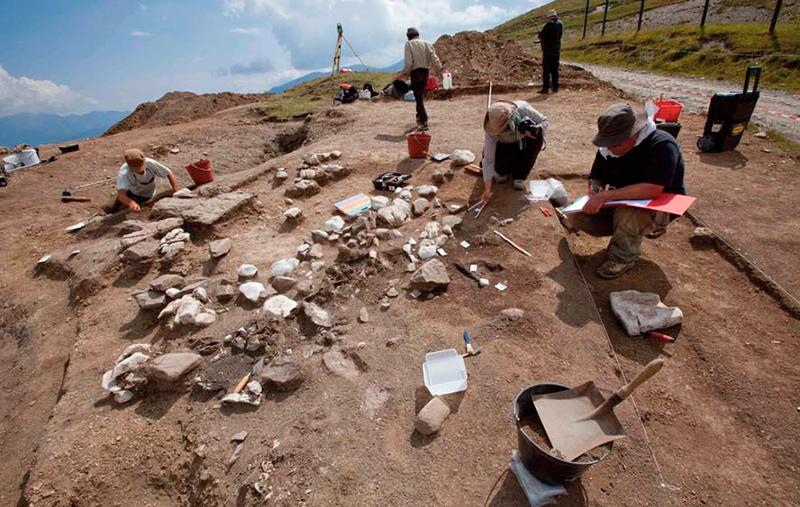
{"points": [[651, 369]]}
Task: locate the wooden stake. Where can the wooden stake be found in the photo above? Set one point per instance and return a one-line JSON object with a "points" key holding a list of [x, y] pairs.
{"points": [[513, 244]]}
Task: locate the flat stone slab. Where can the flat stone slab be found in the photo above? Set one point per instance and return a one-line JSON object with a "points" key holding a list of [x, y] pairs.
{"points": [[640, 312], [202, 211]]}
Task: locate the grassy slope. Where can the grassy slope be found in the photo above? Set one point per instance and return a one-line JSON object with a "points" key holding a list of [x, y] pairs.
{"points": [[305, 97], [720, 52]]}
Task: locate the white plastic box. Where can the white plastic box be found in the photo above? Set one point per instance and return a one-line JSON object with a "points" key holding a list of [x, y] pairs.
{"points": [[444, 372]]}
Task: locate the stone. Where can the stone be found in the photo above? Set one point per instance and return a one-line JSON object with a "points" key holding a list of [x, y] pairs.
{"points": [[316, 251], [239, 437], [452, 221], [427, 191], [282, 374], [184, 193], [363, 316], [247, 271], [205, 318], [253, 291], [204, 211], [224, 291], [703, 238], [191, 285], [403, 205], [406, 195], [172, 366], [168, 281], [175, 151], [432, 416], [394, 215], [384, 304], [281, 175], [219, 247], [307, 174], [304, 288], [283, 283], [150, 299], [311, 159], [340, 363], [279, 306], [334, 224], [143, 251], [431, 276], [437, 177], [335, 154], [187, 310], [421, 205], [432, 230], [392, 292], [303, 188], [462, 157], [317, 266], [200, 294], [317, 315], [319, 236], [427, 250], [394, 341], [512, 313], [293, 213], [302, 251], [173, 293], [379, 202], [411, 267], [335, 171], [284, 266], [640, 312]]}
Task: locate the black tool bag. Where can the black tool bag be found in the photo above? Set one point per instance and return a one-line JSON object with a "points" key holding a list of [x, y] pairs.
{"points": [[390, 181], [729, 114]]}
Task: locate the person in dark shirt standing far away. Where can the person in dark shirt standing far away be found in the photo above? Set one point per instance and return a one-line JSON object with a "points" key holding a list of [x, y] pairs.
{"points": [[550, 38], [420, 58], [634, 161]]}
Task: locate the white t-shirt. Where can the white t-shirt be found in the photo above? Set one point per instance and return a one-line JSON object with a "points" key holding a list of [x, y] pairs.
{"points": [[143, 185]]}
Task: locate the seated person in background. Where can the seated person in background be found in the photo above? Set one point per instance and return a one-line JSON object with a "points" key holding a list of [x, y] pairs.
{"points": [[514, 133], [634, 161], [136, 180]]}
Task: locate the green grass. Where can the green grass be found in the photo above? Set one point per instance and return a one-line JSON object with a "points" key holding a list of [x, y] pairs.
{"points": [[719, 52], [306, 97], [792, 148]]}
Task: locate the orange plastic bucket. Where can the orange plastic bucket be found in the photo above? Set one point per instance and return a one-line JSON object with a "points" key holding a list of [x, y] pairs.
{"points": [[418, 144], [668, 110], [200, 172]]}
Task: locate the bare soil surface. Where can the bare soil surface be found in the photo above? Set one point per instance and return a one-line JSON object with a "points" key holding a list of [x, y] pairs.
{"points": [[721, 418], [775, 110]]}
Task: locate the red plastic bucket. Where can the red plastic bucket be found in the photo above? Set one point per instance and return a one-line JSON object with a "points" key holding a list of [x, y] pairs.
{"points": [[668, 110], [200, 172], [418, 144]]}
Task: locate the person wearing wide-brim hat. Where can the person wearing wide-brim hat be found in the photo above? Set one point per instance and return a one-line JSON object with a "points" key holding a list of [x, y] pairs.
{"points": [[550, 39], [634, 160], [513, 138], [136, 180]]}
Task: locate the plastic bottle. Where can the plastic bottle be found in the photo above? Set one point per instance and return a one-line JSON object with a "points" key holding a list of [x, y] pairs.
{"points": [[447, 80]]}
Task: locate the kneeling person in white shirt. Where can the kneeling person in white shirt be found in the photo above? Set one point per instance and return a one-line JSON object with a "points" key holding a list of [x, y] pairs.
{"points": [[136, 180]]}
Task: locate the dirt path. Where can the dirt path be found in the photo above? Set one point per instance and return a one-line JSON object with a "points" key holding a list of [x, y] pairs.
{"points": [[727, 396], [776, 110]]}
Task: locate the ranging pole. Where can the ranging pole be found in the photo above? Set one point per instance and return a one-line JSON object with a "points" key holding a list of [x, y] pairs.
{"points": [[641, 13], [705, 13], [585, 19], [605, 17], [775, 16]]}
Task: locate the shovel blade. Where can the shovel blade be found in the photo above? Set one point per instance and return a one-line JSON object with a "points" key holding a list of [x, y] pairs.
{"points": [[562, 415]]}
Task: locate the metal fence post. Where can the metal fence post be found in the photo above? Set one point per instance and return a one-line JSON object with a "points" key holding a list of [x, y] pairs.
{"points": [[775, 16], [585, 19], [705, 13], [605, 16], [641, 13]]}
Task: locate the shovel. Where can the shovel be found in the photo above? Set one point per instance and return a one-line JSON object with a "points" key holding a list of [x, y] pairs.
{"points": [[579, 419]]}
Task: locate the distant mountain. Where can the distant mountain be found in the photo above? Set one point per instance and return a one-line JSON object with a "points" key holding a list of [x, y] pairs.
{"points": [[314, 75], [35, 129]]}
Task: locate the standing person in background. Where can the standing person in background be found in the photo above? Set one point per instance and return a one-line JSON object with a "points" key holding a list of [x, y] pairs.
{"points": [[550, 38], [420, 58]]}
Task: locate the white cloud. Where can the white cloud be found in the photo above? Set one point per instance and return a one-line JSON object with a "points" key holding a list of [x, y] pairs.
{"points": [[375, 28], [137, 33], [246, 31], [25, 95]]}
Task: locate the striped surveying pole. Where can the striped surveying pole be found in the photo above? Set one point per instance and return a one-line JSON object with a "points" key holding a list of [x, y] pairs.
{"points": [[585, 19], [641, 13], [775, 16], [605, 17], [705, 13]]}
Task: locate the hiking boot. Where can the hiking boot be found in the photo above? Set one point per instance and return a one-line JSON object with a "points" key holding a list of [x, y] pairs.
{"points": [[656, 233], [555, 90], [519, 184], [614, 269], [500, 179]]}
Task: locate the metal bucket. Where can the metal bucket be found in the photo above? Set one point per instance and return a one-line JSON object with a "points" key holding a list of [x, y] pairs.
{"points": [[538, 461]]}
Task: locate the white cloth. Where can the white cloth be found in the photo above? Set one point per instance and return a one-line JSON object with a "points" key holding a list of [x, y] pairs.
{"points": [[524, 110], [143, 185], [648, 129]]}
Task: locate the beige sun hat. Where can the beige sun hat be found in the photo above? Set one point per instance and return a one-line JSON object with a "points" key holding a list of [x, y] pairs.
{"points": [[618, 123], [496, 120], [552, 13], [134, 158]]}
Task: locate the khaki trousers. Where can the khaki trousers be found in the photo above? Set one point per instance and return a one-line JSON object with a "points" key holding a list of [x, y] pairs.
{"points": [[625, 225]]}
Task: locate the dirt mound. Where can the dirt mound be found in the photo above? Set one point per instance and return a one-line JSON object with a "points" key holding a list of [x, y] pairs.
{"points": [[475, 58], [181, 107]]}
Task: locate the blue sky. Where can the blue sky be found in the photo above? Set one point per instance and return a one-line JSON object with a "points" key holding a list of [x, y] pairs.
{"points": [[67, 56]]}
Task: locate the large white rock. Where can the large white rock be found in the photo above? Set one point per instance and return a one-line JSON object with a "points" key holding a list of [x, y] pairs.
{"points": [[188, 309], [379, 202], [334, 224], [284, 266], [253, 291], [427, 191], [640, 312], [247, 271], [279, 306], [462, 157]]}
